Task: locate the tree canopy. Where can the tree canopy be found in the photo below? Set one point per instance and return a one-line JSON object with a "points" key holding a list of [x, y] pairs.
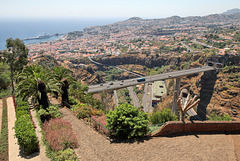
{"points": [[15, 56]]}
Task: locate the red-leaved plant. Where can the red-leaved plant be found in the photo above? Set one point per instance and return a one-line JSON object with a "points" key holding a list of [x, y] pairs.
{"points": [[101, 120], [59, 134]]}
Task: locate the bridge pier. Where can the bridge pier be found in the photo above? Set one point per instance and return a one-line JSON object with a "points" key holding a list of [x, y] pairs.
{"points": [[176, 95], [115, 98]]}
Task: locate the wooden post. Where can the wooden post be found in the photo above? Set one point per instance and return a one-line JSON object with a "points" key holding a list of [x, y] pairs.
{"points": [[176, 95]]}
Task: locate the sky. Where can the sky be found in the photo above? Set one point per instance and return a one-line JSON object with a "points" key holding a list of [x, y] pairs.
{"points": [[112, 8]]}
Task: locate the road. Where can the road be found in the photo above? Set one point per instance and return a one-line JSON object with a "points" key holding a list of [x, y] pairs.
{"points": [[188, 48], [200, 43], [138, 75], [147, 98], [134, 97], [131, 82]]}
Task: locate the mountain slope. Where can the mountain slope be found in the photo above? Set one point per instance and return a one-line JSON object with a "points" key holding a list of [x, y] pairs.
{"points": [[232, 11]]}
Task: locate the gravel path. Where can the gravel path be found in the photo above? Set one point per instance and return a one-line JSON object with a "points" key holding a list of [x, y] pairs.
{"points": [[93, 146]]}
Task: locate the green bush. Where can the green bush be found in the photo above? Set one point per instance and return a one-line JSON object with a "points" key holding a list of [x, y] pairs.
{"points": [[162, 116], [126, 121], [25, 133], [64, 155], [5, 93], [24, 128], [72, 101], [22, 108], [218, 117], [83, 113], [21, 113], [51, 112], [22, 103]]}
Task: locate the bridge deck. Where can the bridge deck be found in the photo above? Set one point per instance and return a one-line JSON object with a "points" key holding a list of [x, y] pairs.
{"points": [[131, 82]]}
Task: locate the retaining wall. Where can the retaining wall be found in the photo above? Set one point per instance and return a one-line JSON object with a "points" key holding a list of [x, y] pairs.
{"points": [[178, 127]]}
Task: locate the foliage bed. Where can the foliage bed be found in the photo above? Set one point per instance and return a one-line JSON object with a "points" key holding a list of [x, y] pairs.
{"points": [[59, 134], [83, 111], [47, 114], [62, 155], [24, 130], [102, 121]]}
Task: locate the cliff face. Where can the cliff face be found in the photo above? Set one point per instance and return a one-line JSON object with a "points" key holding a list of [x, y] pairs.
{"points": [[150, 62], [153, 61]]}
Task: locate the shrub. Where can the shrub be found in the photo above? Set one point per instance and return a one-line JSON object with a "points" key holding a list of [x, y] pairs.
{"points": [[21, 113], [22, 108], [64, 155], [51, 112], [22, 103], [24, 128], [25, 133], [61, 155], [59, 134], [96, 112], [162, 116], [126, 121], [72, 101], [4, 93], [218, 117], [54, 111], [82, 111], [101, 120]]}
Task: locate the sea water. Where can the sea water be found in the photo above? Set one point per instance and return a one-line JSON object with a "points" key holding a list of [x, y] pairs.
{"points": [[27, 28]]}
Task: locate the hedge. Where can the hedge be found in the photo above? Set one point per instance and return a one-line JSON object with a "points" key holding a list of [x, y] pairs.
{"points": [[24, 129]]}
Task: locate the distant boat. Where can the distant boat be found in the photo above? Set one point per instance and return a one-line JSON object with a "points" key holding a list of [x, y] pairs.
{"points": [[38, 37]]}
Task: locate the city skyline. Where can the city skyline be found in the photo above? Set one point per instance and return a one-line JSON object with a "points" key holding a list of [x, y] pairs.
{"points": [[112, 9]]}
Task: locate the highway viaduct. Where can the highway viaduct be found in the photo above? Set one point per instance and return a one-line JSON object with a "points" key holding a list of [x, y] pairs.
{"points": [[131, 82]]}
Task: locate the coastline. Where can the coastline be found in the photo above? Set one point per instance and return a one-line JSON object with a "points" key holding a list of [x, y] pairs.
{"points": [[39, 41]]}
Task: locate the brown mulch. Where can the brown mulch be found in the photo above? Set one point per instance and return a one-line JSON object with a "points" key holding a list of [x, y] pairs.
{"points": [[93, 146]]}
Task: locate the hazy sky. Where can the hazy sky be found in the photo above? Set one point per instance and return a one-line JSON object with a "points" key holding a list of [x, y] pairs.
{"points": [[112, 8]]}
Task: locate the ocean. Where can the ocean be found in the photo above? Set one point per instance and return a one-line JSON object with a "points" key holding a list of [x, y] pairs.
{"points": [[26, 28]]}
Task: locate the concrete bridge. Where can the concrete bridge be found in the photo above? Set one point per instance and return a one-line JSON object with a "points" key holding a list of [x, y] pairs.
{"points": [[170, 75], [131, 82]]}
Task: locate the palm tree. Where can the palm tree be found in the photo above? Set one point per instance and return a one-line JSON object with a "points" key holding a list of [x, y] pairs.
{"points": [[63, 76], [34, 82]]}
